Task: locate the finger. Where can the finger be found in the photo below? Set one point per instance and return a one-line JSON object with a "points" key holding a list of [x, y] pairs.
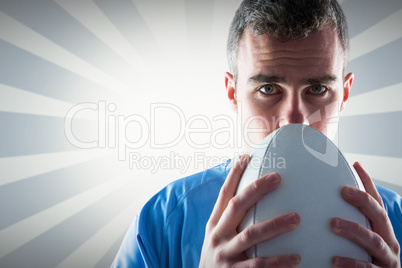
{"points": [[371, 241], [373, 211], [368, 183], [261, 232], [228, 189], [245, 199], [286, 261], [347, 262]]}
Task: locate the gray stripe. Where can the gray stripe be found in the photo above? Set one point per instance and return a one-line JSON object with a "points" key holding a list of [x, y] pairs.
{"points": [[32, 195], [52, 247], [373, 11], [373, 134], [53, 22], [378, 69], [23, 70], [25, 134], [108, 258], [126, 17]]}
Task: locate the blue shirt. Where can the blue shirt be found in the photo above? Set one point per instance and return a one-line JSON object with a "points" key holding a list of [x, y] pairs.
{"points": [[169, 230]]}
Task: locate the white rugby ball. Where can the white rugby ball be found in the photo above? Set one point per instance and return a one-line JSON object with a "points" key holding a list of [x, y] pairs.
{"points": [[313, 172]]}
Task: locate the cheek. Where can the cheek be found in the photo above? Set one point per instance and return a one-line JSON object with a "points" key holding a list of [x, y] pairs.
{"points": [[252, 116], [327, 123], [257, 113], [263, 121], [257, 123]]}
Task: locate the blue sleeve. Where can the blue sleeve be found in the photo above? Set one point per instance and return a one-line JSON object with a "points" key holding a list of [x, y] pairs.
{"points": [[145, 239], [169, 229], [141, 247], [393, 206]]}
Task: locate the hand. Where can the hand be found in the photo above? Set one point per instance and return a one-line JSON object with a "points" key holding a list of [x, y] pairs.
{"points": [[381, 242], [223, 245]]}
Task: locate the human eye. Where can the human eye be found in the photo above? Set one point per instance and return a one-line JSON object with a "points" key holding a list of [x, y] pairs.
{"points": [[317, 89], [268, 89]]}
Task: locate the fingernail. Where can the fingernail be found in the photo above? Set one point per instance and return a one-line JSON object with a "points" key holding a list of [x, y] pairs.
{"points": [[243, 157], [341, 224], [339, 261], [294, 259], [272, 177], [351, 191], [357, 163], [291, 218], [243, 160]]}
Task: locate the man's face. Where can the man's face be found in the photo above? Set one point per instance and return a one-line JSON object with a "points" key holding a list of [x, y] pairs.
{"points": [[283, 82]]}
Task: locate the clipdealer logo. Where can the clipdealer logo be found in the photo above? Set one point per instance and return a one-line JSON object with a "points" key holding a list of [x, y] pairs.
{"points": [[198, 160], [113, 131]]}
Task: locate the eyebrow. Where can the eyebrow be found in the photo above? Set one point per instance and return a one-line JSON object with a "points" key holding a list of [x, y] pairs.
{"points": [[320, 80], [262, 78]]}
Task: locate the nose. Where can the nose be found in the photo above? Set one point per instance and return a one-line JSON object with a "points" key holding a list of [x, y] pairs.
{"points": [[293, 111]]}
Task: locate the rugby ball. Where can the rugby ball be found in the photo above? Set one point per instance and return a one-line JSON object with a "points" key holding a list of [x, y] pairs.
{"points": [[313, 172]]}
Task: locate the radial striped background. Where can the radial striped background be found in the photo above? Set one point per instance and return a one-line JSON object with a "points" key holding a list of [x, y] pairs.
{"points": [[63, 206]]}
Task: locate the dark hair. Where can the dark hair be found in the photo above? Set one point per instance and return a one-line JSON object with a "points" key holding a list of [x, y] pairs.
{"points": [[284, 19]]}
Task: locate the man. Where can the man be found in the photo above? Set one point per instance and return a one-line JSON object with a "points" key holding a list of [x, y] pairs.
{"points": [[287, 60]]}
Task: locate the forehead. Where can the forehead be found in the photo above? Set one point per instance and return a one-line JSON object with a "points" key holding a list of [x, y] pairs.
{"points": [[321, 50], [320, 40]]}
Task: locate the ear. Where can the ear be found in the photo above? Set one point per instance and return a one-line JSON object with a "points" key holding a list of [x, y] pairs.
{"points": [[347, 85], [230, 90]]}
